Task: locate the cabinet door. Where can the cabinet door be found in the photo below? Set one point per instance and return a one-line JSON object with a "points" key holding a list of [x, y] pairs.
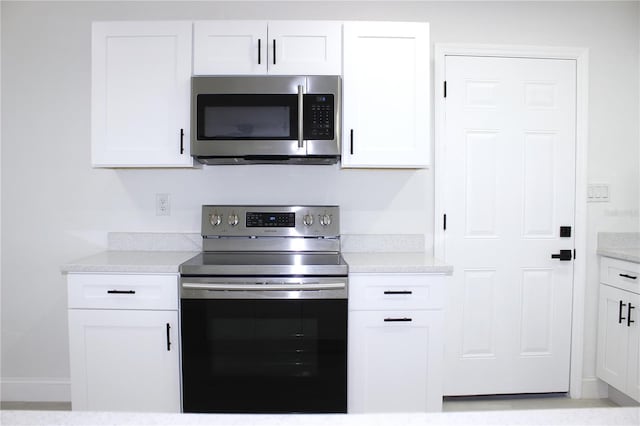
{"points": [[124, 360], [395, 361], [386, 95], [258, 47], [633, 374], [229, 47], [140, 94], [305, 48], [613, 340]]}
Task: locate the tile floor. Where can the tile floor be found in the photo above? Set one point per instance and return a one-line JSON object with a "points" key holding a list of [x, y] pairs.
{"points": [[475, 403], [520, 402]]}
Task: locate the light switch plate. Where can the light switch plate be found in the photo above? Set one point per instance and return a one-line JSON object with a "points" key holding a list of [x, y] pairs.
{"points": [[598, 192]]}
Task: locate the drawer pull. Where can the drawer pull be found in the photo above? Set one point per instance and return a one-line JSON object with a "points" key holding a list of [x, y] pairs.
{"points": [[629, 320], [631, 277], [620, 317], [398, 292], [121, 292], [398, 320]]}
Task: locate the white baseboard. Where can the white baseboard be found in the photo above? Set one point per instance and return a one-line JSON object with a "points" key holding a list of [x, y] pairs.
{"points": [[621, 399], [35, 389], [593, 388]]}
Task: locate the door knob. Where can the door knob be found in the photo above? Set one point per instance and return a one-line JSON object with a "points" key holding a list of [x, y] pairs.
{"points": [[563, 255]]}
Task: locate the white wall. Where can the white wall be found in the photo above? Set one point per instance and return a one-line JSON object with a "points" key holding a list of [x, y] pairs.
{"points": [[55, 207]]}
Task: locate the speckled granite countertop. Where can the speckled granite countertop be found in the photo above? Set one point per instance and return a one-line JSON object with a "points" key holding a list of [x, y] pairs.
{"points": [[578, 416], [629, 254], [395, 262], [116, 261], [620, 245], [163, 253]]}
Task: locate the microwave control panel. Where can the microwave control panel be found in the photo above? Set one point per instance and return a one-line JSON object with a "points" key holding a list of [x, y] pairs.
{"points": [[319, 117]]}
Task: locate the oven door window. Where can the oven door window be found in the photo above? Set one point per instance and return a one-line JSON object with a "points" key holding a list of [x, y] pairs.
{"points": [[264, 356], [247, 117]]}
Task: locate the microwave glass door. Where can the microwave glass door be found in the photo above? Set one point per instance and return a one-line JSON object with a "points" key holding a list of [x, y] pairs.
{"points": [[247, 117]]}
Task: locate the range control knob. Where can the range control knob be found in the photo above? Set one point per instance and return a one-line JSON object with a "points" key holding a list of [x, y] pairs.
{"points": [[325, 220], [215, 219], [233, 219], [307, 219]]}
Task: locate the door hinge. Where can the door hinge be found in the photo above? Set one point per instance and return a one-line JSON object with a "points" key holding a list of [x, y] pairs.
{"points": [[445, 88], [574, 254], [444, 222]]}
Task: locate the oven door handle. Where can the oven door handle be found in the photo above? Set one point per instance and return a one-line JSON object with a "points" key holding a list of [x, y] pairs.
{"points": [[264, 287]]}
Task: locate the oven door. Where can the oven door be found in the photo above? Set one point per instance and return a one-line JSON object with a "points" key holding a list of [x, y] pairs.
{"points": [[258, 353]]}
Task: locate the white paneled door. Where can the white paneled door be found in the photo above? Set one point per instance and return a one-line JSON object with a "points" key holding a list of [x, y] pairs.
{"points": [[509, 188]]}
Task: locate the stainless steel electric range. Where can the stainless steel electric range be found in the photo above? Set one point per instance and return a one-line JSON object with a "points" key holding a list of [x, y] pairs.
{"points": [[264, 312]]}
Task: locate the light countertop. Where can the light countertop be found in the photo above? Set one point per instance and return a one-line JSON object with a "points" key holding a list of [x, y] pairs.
{"points": [[620, 245], [629, 254], [395, 262], [576, 416], [116, 261]]}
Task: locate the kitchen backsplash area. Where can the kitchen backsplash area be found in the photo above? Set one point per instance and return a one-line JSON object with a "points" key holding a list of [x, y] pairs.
{"points": [[158, 241]]}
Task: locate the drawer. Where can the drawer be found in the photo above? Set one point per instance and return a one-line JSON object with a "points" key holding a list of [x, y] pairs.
{"points": [[620, 273], [396, 291], [123, 291]]}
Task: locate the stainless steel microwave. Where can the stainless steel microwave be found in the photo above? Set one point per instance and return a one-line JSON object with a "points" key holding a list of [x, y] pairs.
{"points": [[266, 119]]}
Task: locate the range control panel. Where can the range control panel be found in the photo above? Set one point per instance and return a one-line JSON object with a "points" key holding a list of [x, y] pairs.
{"points": [[272, 221]]}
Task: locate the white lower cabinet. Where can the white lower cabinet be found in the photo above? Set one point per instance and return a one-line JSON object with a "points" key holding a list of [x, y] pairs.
{"points": [[618, 361], [123, 358], [395, 343]]}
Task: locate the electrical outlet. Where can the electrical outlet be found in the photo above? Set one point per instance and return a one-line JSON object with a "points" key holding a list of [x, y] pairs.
{"points": [[163, 208]]}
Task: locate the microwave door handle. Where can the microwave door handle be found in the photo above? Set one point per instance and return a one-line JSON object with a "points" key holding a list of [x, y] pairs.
{"points": [[300, 116]]}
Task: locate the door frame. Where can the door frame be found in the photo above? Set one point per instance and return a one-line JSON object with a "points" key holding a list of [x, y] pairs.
{"points": [[581, 56]]}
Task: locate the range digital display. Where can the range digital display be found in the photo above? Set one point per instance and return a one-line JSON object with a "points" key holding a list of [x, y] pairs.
{"points": [[271, 220]]}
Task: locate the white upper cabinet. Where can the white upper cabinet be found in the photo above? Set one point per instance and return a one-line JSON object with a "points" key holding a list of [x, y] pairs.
{"points": [[274, 47], [386, 95], [140, 94]]}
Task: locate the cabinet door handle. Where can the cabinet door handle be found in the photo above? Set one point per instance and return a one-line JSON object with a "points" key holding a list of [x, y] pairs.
{"points": [[631, 277], [259, 51], [274, 51], [620, 317], [168, 337], [351, 144], [398, 292], [181, 141], [629, 320], [398, 320], [121, 292]]}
